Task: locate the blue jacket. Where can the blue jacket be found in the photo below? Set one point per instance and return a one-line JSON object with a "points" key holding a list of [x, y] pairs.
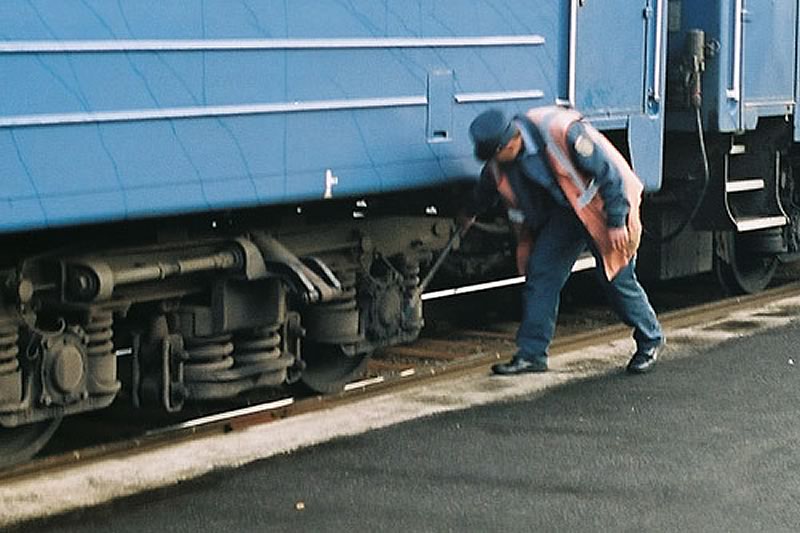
{"points": [[535, 187]]}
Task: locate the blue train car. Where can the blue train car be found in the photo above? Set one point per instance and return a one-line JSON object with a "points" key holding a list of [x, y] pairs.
{"points": [[203, 197], [117, 111], [730, 150]]}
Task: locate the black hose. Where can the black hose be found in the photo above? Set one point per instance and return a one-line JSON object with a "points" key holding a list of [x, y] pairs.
{"points": [[662, 239]]}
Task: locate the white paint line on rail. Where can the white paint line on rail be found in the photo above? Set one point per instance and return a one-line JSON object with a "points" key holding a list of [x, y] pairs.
{"points": [[364, 383], [584, 263], [197, 422]]}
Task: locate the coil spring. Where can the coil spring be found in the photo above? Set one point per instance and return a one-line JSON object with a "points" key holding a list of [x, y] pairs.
{"points": [[9, 335], [207, 356], [411, 276], [100, 333], [258, 346], [412, 309], [102, 361]]}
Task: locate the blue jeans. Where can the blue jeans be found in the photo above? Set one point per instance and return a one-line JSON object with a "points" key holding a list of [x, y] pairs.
{"points": [[557, 247]]}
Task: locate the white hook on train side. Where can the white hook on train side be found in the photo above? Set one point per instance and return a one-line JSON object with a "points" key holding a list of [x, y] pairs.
{"points": [[330, 181]]}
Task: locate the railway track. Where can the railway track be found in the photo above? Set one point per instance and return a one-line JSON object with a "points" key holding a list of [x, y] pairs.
{"points": [[438, 357]]}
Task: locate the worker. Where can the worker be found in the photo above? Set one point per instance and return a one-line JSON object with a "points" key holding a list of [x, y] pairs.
{"points": [[565, 188]]}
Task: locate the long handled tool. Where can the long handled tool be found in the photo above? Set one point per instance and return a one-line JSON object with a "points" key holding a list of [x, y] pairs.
{"points": [[457, 236]]}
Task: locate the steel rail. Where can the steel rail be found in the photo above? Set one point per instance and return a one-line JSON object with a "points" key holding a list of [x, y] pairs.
{"points": [[399, 377]]}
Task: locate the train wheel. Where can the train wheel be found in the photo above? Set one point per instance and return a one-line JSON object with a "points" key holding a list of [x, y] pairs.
{"points": [[328, 368], [739, 269], [23, 442]]}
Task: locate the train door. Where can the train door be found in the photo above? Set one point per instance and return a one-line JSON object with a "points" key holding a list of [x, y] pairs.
{"points": [[611, 61], [616, 73], [767, 30]]}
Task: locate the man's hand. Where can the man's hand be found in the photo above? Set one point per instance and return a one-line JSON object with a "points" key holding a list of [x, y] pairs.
{"points": [[619, 238]]}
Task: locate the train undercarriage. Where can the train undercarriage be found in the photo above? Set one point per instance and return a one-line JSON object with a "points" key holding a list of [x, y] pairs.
{"points": [[187, 318], [739, 219]]}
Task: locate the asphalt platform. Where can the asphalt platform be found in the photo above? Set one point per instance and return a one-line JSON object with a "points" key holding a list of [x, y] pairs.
{"points": [[707, 442]]}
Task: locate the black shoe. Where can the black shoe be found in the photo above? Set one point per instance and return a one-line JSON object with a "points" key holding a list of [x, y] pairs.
{"points": [[643, 361], [519, 365]]}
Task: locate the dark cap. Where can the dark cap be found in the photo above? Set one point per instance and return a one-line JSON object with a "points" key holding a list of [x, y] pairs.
{"points": [[490, 131]]}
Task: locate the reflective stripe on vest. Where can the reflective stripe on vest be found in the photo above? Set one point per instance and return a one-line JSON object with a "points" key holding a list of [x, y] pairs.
{"points": [[580, 189]]}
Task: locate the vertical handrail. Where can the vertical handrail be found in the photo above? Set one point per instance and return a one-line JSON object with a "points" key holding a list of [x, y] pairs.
{"points": [[572, 55], [573, 50], [735, 91], [657, 62]]}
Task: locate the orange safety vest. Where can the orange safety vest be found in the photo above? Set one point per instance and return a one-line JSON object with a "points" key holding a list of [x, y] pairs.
{"points": [[523, 232], [579, 188], [581, 192]]}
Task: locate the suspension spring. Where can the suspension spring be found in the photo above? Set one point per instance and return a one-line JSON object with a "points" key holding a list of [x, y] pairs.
{"points": [[101, 335], [411, 278], [260, 354], [412, 308], [206, 356], [9, 335], [102, 363], [258, 346]]}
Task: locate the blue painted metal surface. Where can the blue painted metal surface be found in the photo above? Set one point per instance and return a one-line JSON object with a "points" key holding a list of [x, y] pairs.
{"points": [[128, 109], [768, 84], [620, 55], [753, 72]]}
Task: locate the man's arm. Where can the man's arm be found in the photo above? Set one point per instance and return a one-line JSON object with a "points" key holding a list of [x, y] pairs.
{"points": [[591, 159], [484, 194]]}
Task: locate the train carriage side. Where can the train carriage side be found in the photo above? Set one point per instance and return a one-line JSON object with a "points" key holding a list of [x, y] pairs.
{"points": [[203, 197], [732, 68], [235, 106]]}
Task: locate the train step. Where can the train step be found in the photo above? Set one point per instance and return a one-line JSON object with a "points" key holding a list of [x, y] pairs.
{"points": [[744, 224], [744, 185], [751, 196]]}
